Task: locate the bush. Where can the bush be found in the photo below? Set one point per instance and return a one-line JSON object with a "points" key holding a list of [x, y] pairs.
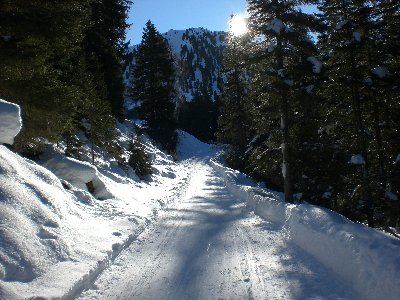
{"points": [[138, 159]]}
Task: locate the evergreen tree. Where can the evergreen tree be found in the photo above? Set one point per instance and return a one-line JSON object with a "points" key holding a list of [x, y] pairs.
{"points": [[105, 49], [138, 159], [153, 87], [234, 126], [282, 31], [45, 69], [199, 117], [39, 44], [361, 105]]}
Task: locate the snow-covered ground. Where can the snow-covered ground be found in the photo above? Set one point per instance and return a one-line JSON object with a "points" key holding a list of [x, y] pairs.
{"points": [[209, 247], [55, 236], [186, 233]]}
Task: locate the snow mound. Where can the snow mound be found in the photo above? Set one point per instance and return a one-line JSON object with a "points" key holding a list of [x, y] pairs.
{"points": [[189, 147], [54, 242], [368, 259], [77, 173], [43, 230], [10, 122]]}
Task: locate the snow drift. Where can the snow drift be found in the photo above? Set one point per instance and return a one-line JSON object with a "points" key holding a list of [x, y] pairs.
{"points": [[10, 122], [44, 232], [366, 258]]}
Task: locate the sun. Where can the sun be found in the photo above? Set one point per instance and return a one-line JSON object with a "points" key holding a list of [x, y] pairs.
{"points": [[237, 25]]}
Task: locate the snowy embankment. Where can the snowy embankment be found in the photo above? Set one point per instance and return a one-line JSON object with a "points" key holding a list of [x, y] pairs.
{"points": [[55, 235], [367, 259]]}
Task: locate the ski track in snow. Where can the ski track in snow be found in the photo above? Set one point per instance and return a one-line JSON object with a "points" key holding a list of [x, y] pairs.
{"points": [[209, 247]]}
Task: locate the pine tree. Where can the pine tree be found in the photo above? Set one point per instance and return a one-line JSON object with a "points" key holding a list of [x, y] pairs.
{"points": [[234, 126], [153, 87], [199, 117], [282, 31], [39, 43], [361, 100], [138, 159], [105, 49]]}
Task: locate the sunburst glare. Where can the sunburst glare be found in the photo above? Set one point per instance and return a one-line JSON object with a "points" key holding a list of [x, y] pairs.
{"points": [[237, 25]]}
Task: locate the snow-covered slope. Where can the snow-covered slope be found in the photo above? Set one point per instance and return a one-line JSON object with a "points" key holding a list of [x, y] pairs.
{"points": [[198, 59], [55, 236]]}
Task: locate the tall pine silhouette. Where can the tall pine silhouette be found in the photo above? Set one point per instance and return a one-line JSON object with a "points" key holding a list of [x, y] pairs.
{"points": [[153, 87]]}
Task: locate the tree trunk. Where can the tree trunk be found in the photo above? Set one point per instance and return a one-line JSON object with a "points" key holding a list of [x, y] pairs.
{"points": [[369, 205], [284, 110]]}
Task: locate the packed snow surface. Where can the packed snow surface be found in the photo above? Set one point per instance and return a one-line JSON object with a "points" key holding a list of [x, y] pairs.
{"points": [[210, 247], [10, 122]]}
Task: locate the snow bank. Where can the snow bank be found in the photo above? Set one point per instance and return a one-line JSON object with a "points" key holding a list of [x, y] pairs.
{"points": [[77, 173], [369, 260], [44, 232], [10, 122]]}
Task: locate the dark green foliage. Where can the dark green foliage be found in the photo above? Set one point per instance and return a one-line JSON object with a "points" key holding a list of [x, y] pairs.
{"points": [[199, 117], [40, 42], [234, 126], [138, 159], [282, 77], [360, 104], [105, 49], [153, 87], [350, 108], [51, 68], [200, 80]]}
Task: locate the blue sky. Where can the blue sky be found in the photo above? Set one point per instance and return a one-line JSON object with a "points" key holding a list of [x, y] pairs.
{"points": [[181, 14]]}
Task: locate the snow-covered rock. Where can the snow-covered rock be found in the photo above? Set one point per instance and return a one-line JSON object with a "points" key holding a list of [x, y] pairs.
{"points": [[10, 121], [77, 173]]}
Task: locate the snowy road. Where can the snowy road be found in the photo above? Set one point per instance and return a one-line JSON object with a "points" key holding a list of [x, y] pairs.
{"points": [[209, 247]]}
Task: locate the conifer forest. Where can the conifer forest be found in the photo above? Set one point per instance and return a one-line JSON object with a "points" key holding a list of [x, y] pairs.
{"points": [[307, 103]]}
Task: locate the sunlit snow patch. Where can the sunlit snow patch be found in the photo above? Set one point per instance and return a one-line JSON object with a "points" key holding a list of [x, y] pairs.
{"points": [[10, 122]]}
